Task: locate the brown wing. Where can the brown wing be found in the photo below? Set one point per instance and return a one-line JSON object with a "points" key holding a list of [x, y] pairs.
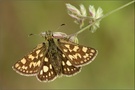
{"points": [[78, 55], [67, 68], [47, 72], [30, 64]]}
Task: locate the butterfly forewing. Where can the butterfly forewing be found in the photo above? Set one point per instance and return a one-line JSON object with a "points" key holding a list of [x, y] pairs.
{"points": [[78, 55], [30, 64]]}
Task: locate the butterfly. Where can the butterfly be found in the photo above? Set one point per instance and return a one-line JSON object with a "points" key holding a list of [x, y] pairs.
{"points": [[55, 57]]}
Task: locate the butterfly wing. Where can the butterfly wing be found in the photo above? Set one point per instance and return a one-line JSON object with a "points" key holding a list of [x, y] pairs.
{"points": [[30, 64], [67, 68], [47, 72], [78, 55]]}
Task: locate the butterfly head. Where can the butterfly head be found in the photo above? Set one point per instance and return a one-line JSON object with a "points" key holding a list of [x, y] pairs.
{"points": [[47, 35]]}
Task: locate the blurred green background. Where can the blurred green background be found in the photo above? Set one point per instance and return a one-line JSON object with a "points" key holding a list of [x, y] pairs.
{"points": [[113, 67]]}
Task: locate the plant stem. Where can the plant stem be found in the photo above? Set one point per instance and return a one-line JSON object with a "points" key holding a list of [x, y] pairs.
{"points": [[88, 26]]}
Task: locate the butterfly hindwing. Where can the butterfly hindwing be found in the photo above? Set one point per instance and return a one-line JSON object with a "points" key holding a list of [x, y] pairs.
{"points": [[67, 68], [47, 72]]}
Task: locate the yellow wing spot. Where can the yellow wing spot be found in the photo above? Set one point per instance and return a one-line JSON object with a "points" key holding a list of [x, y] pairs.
{"points": [[45, 68], [34, 64], [51, 72], [63, 55], [23, 61], [37, 52], [72, 69], [65, 50], [23, 67], [85, 60], [84, 49], [65, 69], [81, 61], [19, 68], [93, 51], [77, 55], [41, 55], [23, 70], [75, 48], [26, 67], [38, 63], [86, 55], [71, 57], [27, 71], [41, 72], [30, 65], [36, 56], [16, 65], [30, 71], [63, 63], [31, 57], [68, 69], [67, 46], [50, 66], [91, 54], [70, 50], [46, 59], [68, 63]]}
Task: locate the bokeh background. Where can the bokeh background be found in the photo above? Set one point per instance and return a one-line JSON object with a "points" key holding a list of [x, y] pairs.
{"points": [[113, 67]]}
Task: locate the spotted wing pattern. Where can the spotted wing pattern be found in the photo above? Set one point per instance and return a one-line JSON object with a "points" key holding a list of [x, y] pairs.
{"points": [[30, 64], [55, 58], [78, 55], [47, 72], [67, 68]]}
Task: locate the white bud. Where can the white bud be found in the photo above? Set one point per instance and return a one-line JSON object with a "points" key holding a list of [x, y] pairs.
{"points": [[92, 11], [99, 13], [83, 10], [73, 9]]}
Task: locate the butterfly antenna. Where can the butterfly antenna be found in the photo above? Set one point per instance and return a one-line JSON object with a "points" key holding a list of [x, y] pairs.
{"points": [[32, 34], [60, 26]]}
